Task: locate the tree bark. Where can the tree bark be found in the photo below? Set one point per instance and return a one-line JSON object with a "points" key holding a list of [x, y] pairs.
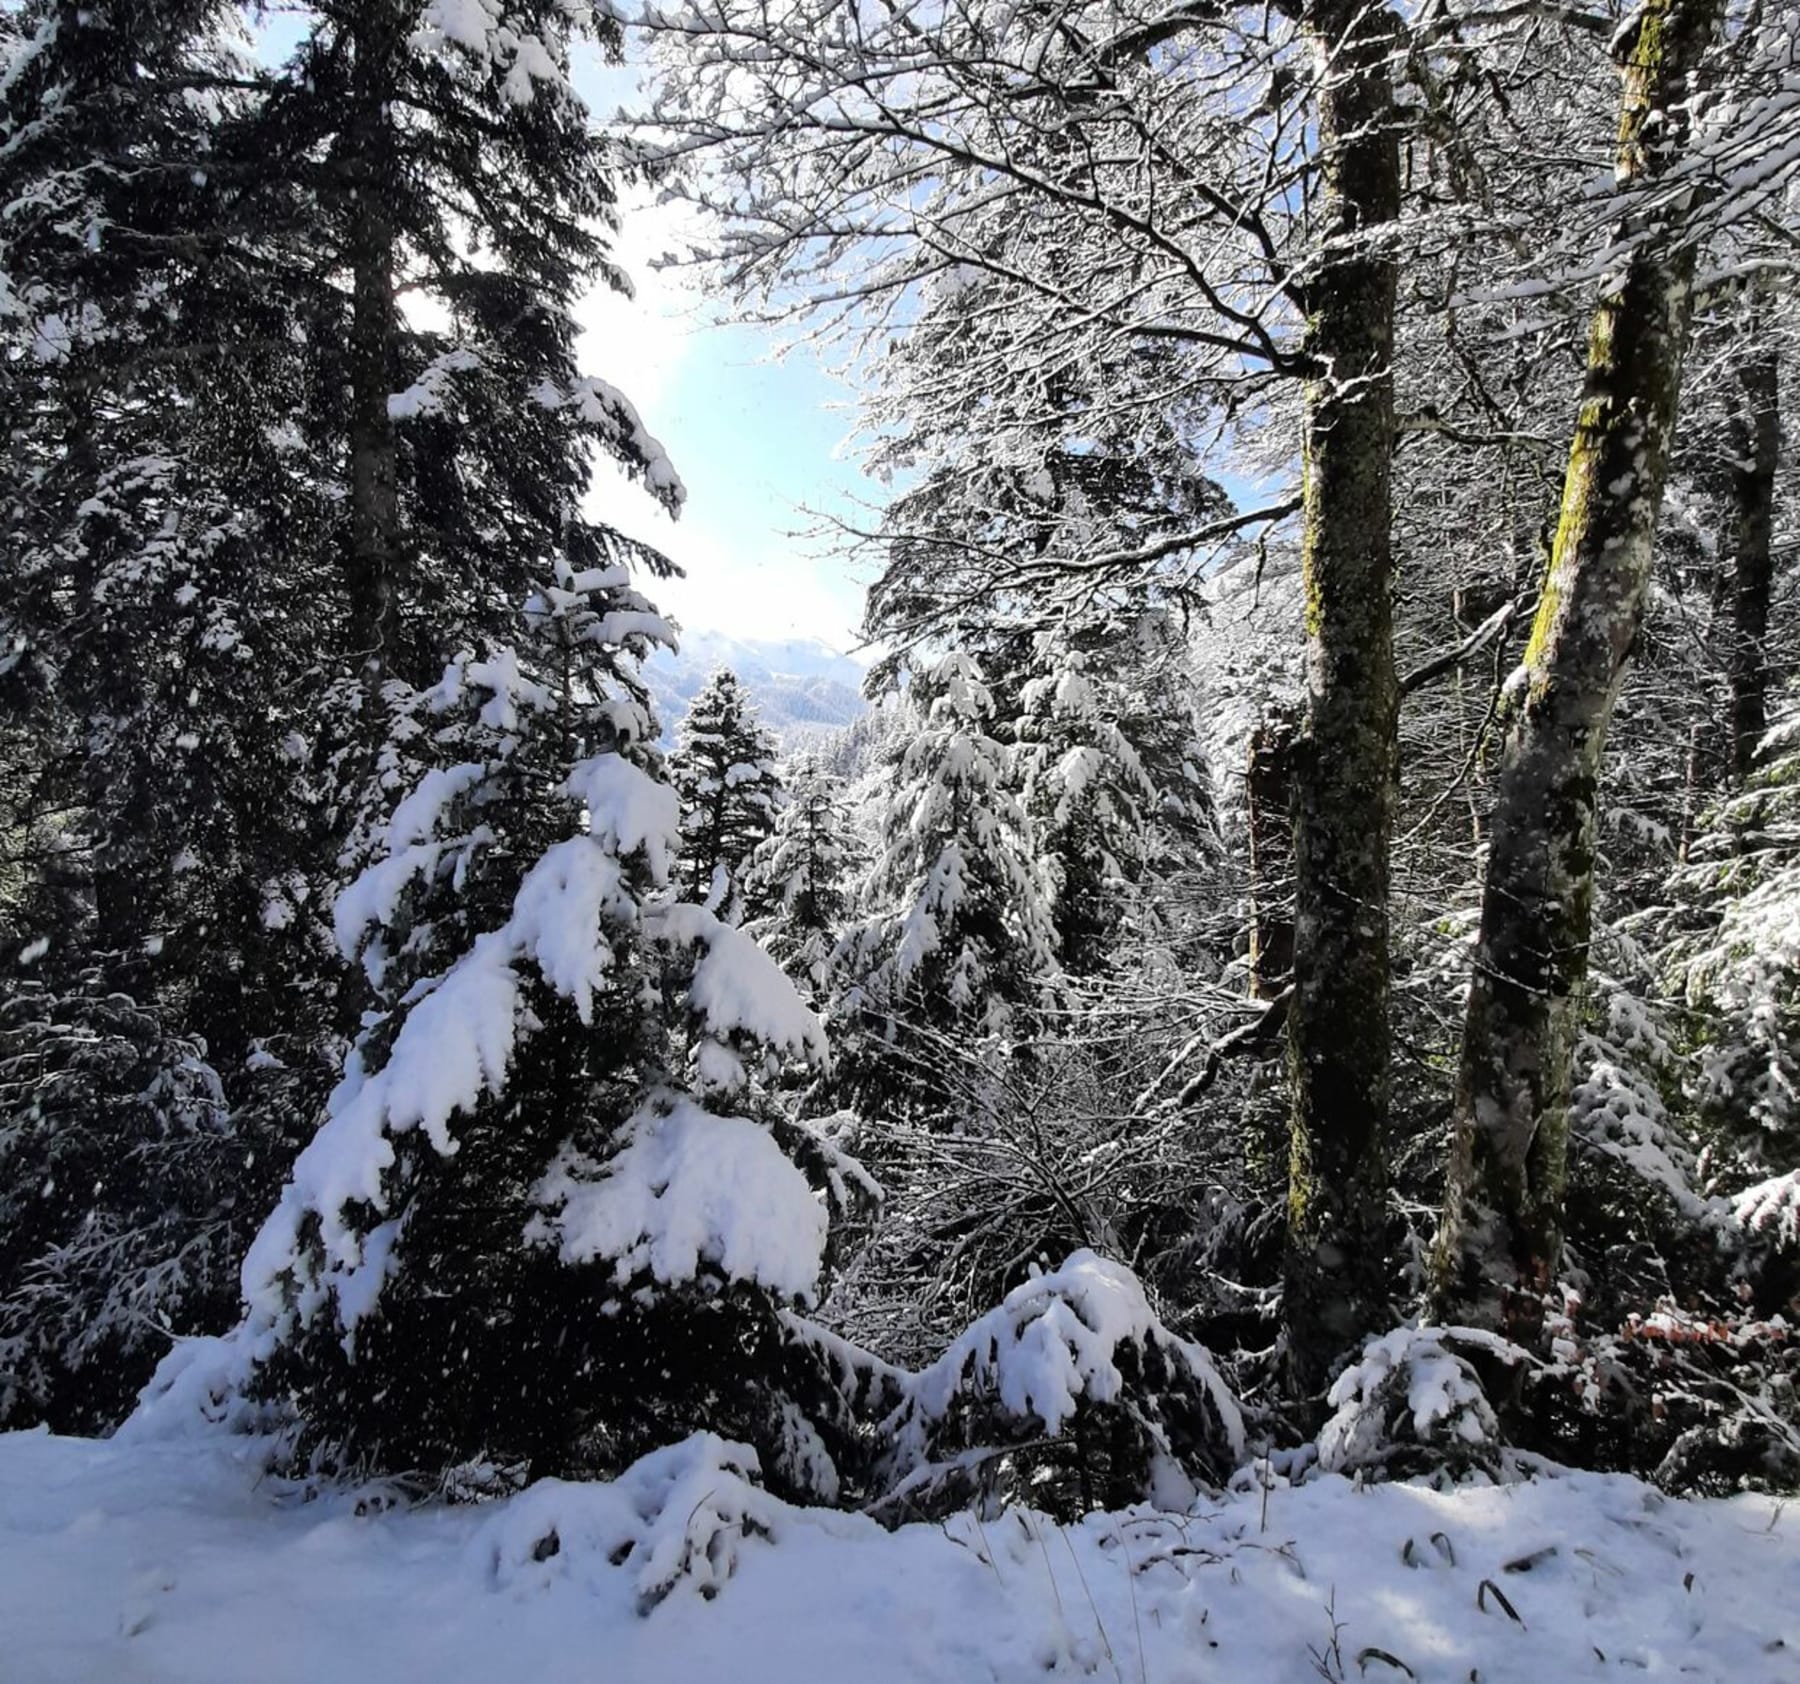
{"points": [[1345, 767], [1756, 439], [374, 328], [1501, 1237], [1269, 806]]}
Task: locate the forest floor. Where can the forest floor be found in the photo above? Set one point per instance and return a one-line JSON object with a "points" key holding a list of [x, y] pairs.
{"points": [[123, 1561]]}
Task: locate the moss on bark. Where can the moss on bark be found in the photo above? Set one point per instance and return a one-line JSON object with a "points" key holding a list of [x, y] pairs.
{"points": [[1500, 1242], [1344, 769]]}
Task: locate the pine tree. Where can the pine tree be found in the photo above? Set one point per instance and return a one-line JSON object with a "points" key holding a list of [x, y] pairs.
{"points": [[724, 771], [1738, 962], [154, 617], [551, 1214], [258, 505], [798, 882], [440, 152]]}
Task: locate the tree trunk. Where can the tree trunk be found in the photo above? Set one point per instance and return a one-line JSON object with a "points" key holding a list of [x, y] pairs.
{"points": [[1345, 768], [1269, 806], [1756, 440], [374, 499], [1501, 1237]]}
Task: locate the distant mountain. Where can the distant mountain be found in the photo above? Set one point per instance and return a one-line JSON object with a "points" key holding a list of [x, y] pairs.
{"points": [[801, 687]]}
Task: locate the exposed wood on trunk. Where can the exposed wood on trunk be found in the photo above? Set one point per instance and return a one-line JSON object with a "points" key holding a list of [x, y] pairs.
{"points": [[1502, 1233], [1344, 773]]}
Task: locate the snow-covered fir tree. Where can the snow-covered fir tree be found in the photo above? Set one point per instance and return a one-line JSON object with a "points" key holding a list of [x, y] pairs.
{"points": [[724, 768], [798, 882], [259, 505], [430, 151], [163, 601], [551, 1216], [165, 611], [958, 934], [1738, 964], [1111, 772]]}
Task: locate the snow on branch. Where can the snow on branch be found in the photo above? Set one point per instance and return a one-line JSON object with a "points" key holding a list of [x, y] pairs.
{"points": [[690, 1189]]}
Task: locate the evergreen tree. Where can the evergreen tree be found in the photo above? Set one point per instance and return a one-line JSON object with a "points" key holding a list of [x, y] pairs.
{"points": [[798, 881], [127, 1195], [724, 771], [439, 152], [165, 605], [1111, 768], [1738, 962], [161, 605], [959, 933], [257, 507], [551, 1215]]}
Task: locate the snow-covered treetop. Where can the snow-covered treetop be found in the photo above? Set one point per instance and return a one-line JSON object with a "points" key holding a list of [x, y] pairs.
{"points": [[724, 767], [956, 883]]}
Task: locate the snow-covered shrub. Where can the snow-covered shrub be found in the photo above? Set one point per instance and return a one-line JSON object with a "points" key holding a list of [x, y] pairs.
{"points": [[1414, 1403], [1043, 1148], [1070, 1396], [552, 1212], [675, 1520], [1642, 1218], [1697, 1402]]}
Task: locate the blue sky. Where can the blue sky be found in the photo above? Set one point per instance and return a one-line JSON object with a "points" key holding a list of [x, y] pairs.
{"points": [[758, 442], [757, 437]]}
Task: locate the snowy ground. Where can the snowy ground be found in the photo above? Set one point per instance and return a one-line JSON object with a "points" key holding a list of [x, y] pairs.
{"points": [[167, 1562]]}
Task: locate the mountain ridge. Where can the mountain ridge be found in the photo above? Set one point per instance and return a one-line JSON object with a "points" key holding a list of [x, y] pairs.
{"points": [[802, 687]]}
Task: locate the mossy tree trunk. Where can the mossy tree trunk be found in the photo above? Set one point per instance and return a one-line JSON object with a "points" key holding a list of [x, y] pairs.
{"points": [[1344, 767], [1501, 1237]]}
